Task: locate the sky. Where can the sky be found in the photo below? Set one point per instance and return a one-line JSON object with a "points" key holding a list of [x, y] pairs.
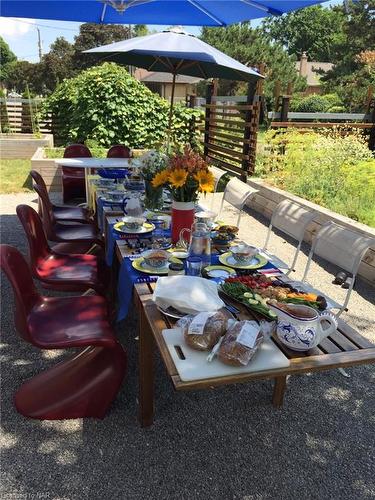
{"points": [[22, 36]]}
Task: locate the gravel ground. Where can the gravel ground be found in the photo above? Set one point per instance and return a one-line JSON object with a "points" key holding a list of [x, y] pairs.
{"points": [[228, 443]]}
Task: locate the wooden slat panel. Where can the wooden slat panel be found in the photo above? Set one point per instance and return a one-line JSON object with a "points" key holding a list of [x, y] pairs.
{"points": [[226, 151], [237, 138], [329, 347], [239, 107], [321, 125], [225, 165], [218, 154], [344, 343], [232, 123]]}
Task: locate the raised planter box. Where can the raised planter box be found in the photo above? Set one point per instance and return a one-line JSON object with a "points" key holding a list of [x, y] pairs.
{"points": [[47, 169], [268, 197], [23, 146]]}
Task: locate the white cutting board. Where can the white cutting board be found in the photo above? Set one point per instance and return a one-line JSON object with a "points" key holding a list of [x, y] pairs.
{"points": [[196, 366]]}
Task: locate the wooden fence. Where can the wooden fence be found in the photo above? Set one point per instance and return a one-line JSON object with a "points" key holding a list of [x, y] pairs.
{"points": [[230, 130], [23, 116]]}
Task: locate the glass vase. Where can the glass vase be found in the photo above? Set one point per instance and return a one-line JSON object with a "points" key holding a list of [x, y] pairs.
{"points": [[153, 196]]}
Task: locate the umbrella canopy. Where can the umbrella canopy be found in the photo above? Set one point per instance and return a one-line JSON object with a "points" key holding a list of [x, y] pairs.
{"points": [[166, 12], [175, 51], [178, 52]]}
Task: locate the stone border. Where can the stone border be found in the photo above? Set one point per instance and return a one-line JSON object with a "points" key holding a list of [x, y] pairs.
{"points": [[48, 169], [23, 146], [268, 197]]}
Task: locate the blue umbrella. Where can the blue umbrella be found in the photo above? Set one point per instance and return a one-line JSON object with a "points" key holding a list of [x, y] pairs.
{"points": [[177, 52], [166, 12]]}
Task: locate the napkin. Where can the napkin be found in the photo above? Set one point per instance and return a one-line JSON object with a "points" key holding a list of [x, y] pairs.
{"points": [[188, 294]]}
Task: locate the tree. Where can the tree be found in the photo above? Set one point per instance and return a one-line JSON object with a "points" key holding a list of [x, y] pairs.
{"points": [[6, 57], [58, 63], [250, 47], [353, 72], [24, 73], [94, 35], [315, 30]]}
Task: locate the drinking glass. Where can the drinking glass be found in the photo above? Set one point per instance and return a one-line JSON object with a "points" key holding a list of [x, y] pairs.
{"points": [[193, 266], [158, 235]]}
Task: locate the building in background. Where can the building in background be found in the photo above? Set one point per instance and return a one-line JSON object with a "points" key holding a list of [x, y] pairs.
{"points": [[312, 71], [161, 83]]}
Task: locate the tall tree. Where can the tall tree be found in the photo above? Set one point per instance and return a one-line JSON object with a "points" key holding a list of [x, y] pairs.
{"points": [[315, 30], [58, 63], [6, 57], [353, 71], [250, 47], [94, 35]]}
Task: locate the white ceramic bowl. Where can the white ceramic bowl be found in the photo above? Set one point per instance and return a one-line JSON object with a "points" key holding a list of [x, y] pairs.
{"points": [[155, 258], [133, 223], [242, 253]]}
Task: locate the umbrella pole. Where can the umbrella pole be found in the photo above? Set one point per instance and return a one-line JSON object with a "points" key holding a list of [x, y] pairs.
{"points": [[171, 110]]}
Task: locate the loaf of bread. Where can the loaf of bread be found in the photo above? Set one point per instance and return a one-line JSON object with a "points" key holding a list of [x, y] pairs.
{"points": [[240, 343], [202, 331]]}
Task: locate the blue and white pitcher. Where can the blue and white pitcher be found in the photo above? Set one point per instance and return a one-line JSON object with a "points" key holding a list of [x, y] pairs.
{"points": [[301, 327]]}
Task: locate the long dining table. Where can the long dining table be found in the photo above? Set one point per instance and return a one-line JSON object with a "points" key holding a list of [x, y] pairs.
{"points": [[345, 347]]}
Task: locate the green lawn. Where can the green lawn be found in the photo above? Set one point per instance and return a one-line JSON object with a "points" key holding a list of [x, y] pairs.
{"points": [[14, 176]]}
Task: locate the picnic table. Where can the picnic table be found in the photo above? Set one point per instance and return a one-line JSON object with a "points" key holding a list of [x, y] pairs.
{"points": [[345, 347]]}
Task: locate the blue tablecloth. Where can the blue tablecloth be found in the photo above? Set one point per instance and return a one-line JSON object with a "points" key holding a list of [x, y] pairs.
{"points": [[128, 277], [100, 206]]}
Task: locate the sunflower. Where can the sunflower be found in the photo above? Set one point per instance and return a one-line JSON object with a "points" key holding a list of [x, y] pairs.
{"points": [[160, 178], [206, 181], [177, 177]]}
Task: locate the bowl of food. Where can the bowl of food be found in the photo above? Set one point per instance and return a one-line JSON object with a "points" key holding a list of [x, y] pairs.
{"points": [[221, 238], [133, 223], [228, 229], [242, 253], [155, 258]]}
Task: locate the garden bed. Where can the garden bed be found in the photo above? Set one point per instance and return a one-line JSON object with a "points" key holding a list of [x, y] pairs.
{"points": [[23, 146], [268, 197]]}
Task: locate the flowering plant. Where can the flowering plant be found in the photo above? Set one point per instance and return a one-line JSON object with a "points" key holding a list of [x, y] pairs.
{"points": [[151, 163], [186, 175]]}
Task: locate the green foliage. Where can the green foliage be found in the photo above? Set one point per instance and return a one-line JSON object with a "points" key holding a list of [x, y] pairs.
{"points": [[6, 57], [106, 104], [315, 30], [333, 171], [250, 47], [316, 103]]}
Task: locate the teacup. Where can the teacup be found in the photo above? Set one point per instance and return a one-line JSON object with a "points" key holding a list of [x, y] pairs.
{"points": [[133, 223], [116, 195], [155, 258], [242, 253]]}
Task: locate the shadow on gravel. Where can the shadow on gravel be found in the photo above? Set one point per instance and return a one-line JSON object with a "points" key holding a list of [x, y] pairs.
{"points": [[227, 443]]}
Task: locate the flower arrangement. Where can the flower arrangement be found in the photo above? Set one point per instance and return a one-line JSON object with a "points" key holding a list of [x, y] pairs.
{"points": [[186, 175], [151, 163]]}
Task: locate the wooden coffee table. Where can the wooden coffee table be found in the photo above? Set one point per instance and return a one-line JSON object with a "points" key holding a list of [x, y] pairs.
{"points": [[345, 347]]}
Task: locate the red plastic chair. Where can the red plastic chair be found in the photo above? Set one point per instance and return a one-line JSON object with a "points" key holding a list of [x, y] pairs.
{"points": [[83, 385], [118, 151], [61, 214], [57, 271], [73, 178], [66, 233]]}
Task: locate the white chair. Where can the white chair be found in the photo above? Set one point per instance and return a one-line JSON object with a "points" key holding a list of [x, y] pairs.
{"points": [[218, 173], [342, 247], [237, 193], [292, 219]]}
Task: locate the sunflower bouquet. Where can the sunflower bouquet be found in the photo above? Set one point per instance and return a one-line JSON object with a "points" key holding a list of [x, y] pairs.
{"points": [[186, 175]]}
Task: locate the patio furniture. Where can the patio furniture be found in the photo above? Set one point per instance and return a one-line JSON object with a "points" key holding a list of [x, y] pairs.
{"points": [[342, 247], [83, 385], [345, 347], [57, 271], [292, 219], [66, 233], [118, 151], [237, 193], [61, 213], [73, 179]]}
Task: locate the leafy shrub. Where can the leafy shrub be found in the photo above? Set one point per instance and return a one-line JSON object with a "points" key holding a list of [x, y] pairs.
{"points": [[316, 103], [107, 105], [333, 171]]}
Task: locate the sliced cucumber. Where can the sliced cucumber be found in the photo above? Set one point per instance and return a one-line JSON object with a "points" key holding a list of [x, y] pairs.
{"points": [[258, 297], [253, 302], [248, 295]]}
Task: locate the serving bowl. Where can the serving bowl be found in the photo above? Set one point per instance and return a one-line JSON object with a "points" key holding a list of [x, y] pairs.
{"points": [[242, 253], [133, 223], [155, 258]]}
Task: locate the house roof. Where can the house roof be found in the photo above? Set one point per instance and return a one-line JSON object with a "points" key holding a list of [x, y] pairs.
{"points": [[152, 76], [310, 72]]}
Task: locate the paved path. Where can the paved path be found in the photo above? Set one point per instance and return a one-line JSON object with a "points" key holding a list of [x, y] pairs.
{"points": [[226, 444]]}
